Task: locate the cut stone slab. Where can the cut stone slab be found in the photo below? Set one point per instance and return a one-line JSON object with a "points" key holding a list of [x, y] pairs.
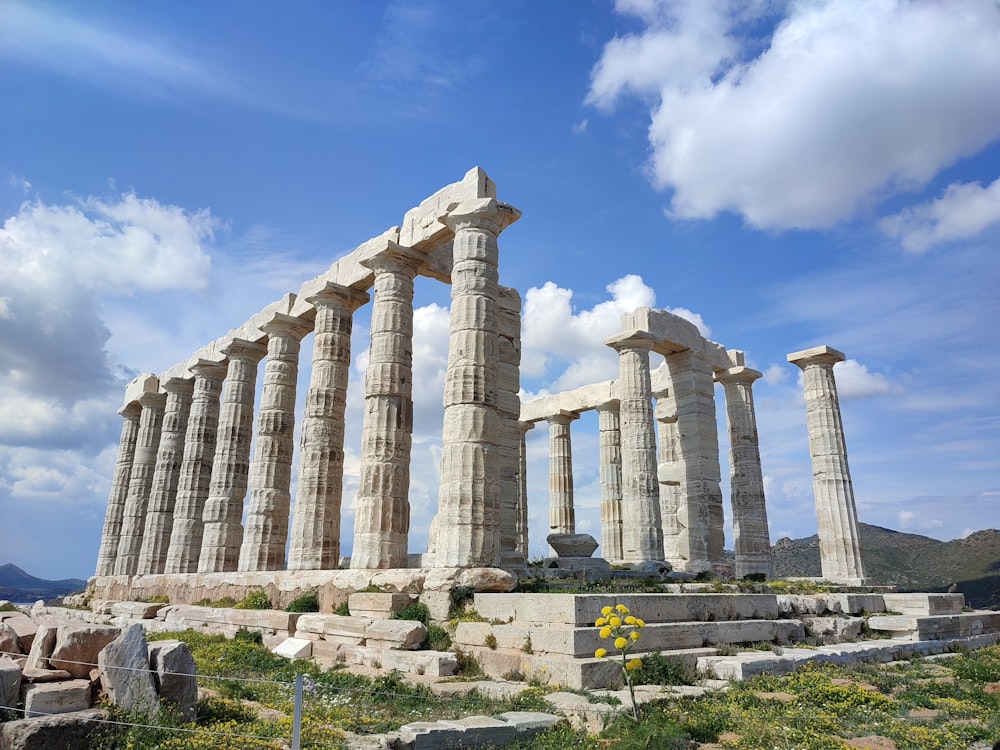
{"points": [[10, 682], [77, 646], [473, 731], [174, 675], [405, 634], [61, 732], [42, 645], [32, 674], [125, 673], [56, 697], [136, 610], [572, 545], [294, 648], [23, 625], [377, 605], [9, 642], [527, 723], [924, 604]]}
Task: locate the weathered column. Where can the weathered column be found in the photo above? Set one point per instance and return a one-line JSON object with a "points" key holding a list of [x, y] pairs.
{"points": [[468, 521], [509, 432], [111, 535], [700, 513], [196, 467], [223, 516], [140, 482], [751, 537], [562, 511], [163, 495], [271, 471], [642, 537], [382, 519], [315, 541], [667, 472], [522, 490], [610, 441], [839, 540]]}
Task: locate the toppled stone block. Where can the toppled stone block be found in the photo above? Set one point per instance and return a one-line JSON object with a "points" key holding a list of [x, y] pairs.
{"points": [[294, 648], [77, 646], [42, 645], [9, 642], [56, 697], [838, 628], [136, 610], [572, 545], [125, 673], [527, 723], [32, 674], [174, 675], [473, 731], [10, 682], [23, 625], [405, 634], [376, 605], [61, 732]]}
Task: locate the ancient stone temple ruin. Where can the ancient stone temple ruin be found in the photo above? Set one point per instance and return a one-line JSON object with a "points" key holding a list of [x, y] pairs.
{"points": [[185, 477]]}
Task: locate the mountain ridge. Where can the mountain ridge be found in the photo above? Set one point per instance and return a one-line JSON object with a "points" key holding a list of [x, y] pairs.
{"points": [[19, 585]]}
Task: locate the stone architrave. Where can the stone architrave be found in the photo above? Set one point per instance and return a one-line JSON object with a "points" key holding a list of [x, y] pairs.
{"points": [[382, 518], [163, 495], [468, 521], [111, 535], [315, 542], [522, 489], [562, 511], [839, 540], [223, 515], [665, 413], [196, 467], [610, 441], [642, 536], [751, 537], [509, 431], [700, 514], [271, 471], [140, 482]]}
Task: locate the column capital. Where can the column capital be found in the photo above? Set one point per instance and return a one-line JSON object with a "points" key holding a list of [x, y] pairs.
{"points": [[180, 386], [244, 349], [131, 410], [482, 213], [562, 417], [818, 355], [289, 326], [208, 369], [337, 295], [630, 340], [525, 426], [612, 404], [395, 258], [737, 375], [153, 400]]}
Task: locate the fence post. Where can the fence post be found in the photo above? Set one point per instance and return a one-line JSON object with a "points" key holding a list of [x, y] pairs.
{"points": [[297, 720]]}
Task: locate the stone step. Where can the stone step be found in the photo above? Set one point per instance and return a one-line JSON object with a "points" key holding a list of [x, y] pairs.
{"points": [[924, 604], [934, 627]]}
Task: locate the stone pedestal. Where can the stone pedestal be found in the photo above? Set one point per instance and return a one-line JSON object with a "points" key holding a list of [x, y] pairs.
{"points": [[562, 512], [119, 490], [839, 540], [610, 440]]}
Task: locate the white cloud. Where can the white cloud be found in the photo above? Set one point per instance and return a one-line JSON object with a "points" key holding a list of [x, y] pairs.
{"points": [[775, 374], [855, 381], [963, 211], [909, 520], [843, 104]]}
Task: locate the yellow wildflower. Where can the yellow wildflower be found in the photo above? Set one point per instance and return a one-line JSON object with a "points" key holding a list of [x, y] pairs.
{"points": [[622, 608], [634, 635], [601, 653], [606, 611], [630, 620], [615, 622], [605, 632], [601, 622], [633, 665], [640, 623], [621, 642]]}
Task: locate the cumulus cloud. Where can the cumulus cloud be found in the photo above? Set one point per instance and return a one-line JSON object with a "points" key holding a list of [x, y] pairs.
{"points": [[775, 374], [963, 211], [840, 105], [854, 380]]}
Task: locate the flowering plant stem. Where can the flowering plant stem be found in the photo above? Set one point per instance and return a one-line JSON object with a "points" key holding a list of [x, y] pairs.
{"points": [[619, 626]]}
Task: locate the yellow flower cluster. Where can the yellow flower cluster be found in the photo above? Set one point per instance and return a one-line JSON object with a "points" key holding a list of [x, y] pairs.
{"points": [[617, 623]]}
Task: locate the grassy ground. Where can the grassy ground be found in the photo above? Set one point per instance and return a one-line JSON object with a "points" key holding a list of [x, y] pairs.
{"points": [[920, 705]]}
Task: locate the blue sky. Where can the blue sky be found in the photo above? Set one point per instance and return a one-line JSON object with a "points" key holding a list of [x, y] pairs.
{"points": [[785, 174]]}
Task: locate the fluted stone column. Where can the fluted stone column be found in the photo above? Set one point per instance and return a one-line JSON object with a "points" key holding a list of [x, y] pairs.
{"points": [[382, 519], [839, 540], [509, 432], [223, 516], [111, 535], [610, 441], [642, 537], [163, 495], [271, 470], [140, 482], [522, 490], [315, 543], [468, 521], [562, 511], [751, 537], [700, 513], [196, 467], [665, 413]]}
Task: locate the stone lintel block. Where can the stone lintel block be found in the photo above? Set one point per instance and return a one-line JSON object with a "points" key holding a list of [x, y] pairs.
{"points": [[377, 605], [924, 604], [294, 648], [824, 354], [56, 697]]}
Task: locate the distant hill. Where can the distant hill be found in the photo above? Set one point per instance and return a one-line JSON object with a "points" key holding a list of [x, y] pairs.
{"points": [[18, 586], [911, 561]]}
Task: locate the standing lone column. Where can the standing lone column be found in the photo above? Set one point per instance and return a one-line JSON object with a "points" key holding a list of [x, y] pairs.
{"points": [[642, 537], [196, 467], [382, 519], [140, 483], [223, 527], [271, 471], [839, 541], [751, 537], [315, 541], [163, 495], [562, 512], [468, 521], [111, 535], [610, 440]]}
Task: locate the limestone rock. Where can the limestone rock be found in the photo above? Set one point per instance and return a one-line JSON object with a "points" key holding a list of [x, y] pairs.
{"points": [[407, 634], [294, 648], [61, 732], [174, 675], [10, 682], [124, 668], [9, 642], [572, 545], [77, 646], [56, 697], [23, 625], [32, 675], [42, 645], [487, 579]]}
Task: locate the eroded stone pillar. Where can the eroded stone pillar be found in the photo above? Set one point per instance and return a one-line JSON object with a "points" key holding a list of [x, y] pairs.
{"points": [[382, 519], [839, 540], [522, 490], [562, 511], [751, 537], [467, 526], [610, 441], [271, 471], [223, 516], [196, 467], [315, 543], [700, 513], [111, 535], [163, 494], [667, 471], [140, 482], [642, 537], [509, 434]]}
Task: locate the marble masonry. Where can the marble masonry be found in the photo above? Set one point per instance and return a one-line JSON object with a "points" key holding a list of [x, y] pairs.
{"points": [[202, 485]]}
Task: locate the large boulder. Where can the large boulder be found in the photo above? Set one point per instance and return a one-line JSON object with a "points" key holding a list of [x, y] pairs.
{"points": [[42, 645], [60, 732], [77, 646], [23, 625], [124, 669], [10, 682], [9, 642], [56, 697], [174, 676]]}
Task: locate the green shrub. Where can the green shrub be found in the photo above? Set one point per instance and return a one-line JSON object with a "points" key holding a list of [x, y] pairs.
{"points": [[254, 600], [8, 607], [460, 596], [755, 577], [342, 609], [158, 599], [468, 664], [249, 636], [305, 603], [416, 611], [657, 669], [437, 638]]}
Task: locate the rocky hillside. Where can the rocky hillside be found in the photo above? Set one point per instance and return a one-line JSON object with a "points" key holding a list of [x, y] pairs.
{"points": [[911, 561], [18, 586]]}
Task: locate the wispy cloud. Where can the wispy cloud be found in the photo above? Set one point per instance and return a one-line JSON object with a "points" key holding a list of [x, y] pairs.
{"points": [[963, 211]]}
